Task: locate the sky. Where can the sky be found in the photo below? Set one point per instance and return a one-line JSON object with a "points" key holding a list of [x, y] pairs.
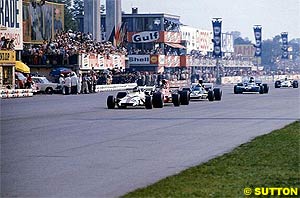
{"points": [[275, 16]]}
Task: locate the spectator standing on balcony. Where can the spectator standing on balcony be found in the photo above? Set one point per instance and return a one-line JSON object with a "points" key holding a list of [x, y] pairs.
{"points": [[68, 84], [62, 83]]}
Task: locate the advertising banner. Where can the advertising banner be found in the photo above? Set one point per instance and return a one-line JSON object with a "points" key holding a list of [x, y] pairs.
{"points": [[157, 60], [257, 45], [139, 59], [145, 37], [7, 56], [217, 25], [170, 37], [41, 22], [204, 40], [172, 61], [93, 61], [99, 62], [284, 38], [11, 22], [227, 43], [244, 50], [154, 36]]}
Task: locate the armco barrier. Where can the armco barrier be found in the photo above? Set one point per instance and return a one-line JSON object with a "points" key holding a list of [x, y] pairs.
{"points": [[15, 93], [179, 83], [236, 79], [115, 87]]}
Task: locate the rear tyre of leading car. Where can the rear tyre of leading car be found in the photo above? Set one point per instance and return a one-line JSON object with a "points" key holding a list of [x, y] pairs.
{"points": [[158, 100]]}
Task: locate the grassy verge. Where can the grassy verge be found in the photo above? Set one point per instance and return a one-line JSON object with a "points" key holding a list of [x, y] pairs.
{"points": [[271, 160]]}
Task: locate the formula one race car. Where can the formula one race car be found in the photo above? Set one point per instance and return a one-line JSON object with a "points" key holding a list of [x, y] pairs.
{"points": [[204, 91], [251, 86], [139, 96], [286, 83], [167, 94]]}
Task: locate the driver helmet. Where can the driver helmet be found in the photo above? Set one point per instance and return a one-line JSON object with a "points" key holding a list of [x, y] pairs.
{"points": [[251, 79], [136, 89]]}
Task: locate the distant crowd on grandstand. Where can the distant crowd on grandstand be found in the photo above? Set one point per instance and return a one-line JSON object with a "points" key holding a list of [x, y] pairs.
{"points": [[65, 47]]}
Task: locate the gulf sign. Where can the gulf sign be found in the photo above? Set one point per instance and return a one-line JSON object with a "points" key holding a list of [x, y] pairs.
{"points": [[11, 21], [154, 36], [145, 37]]}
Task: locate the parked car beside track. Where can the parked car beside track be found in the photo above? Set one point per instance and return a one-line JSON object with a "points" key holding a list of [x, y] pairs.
{"points": [[45, 86]]}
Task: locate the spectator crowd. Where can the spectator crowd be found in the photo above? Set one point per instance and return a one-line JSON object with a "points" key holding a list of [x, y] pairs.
{"points": [[65, 47]]}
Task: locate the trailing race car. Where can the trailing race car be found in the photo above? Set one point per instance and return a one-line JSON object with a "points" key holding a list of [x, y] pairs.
{"points": [[139, 96], [204, 91], [167, 94], [251, 86], [286, 83]]}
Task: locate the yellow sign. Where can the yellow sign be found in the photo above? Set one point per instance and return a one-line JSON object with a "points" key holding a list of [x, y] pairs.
{"points": [[7, 56]]}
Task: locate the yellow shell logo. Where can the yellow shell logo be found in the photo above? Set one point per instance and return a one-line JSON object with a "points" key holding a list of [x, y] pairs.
{"points": [[154, 59]]}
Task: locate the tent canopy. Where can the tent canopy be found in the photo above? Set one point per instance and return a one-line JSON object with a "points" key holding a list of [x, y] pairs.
{"points": [[60, 70], [22, 67]]}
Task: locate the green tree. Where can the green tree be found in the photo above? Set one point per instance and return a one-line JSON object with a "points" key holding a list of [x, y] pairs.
{"points": [[78, 8]]}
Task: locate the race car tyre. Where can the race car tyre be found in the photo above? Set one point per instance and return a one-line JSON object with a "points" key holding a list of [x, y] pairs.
{"points": [[277, 84], [158, 100], [218, 94], [49, 90], [210, 95], [235, 89], [148, 102], [121, 95], [295, 84], [110, 102], [266, 88], [185, 97], [261, 89], [176, 100]]}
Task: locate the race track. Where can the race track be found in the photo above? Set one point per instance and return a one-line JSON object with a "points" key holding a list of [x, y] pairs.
{"points": [[73, 146]]}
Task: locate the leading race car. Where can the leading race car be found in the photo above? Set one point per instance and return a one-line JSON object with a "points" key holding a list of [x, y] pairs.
{"points": [[204, 91], [286, 83], [251, 86], [139, 96], [166, 94]]}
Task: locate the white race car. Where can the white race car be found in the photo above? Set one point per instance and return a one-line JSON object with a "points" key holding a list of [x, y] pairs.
{"points": [[286, 83], [139, 96], [204, 92]]}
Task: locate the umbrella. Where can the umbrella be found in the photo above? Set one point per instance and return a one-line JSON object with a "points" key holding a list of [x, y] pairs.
{"points": [[22, 67], [60, 70]]}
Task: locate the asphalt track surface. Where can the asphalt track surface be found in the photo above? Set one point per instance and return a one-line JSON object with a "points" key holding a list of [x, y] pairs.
{"points": [[73, 146]]}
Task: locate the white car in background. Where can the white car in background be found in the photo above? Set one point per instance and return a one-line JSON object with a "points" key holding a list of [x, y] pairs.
{"points": [[44, 85], [286, 83]]}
